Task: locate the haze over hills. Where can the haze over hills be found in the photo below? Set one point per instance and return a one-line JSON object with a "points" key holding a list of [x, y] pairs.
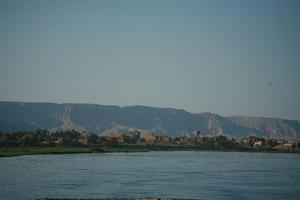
{"points": [[103, 120]]}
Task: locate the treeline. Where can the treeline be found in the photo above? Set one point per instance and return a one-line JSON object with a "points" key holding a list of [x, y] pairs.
{"points": [[73, 138], [45, 138]]}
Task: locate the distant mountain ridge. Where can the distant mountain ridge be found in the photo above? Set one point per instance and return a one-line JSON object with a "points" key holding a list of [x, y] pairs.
{"points": [[103, 120]]}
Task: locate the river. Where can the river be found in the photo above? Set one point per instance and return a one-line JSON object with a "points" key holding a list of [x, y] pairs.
{"points": [[182, 174]]}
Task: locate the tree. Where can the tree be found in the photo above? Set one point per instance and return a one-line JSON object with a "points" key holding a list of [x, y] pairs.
{"points": [[93, 139]]}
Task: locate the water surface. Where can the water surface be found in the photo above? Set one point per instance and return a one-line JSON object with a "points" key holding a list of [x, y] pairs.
{"points": [[202, 175]]}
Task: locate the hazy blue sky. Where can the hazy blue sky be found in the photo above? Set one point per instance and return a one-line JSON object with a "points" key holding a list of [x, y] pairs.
{"points": [[227, 57]]}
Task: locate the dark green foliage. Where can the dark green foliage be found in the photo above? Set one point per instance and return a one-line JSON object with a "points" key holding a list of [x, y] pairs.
{"points": [[272, 143], [39, 138], [93, 139], [223, 141], [97, 149]]}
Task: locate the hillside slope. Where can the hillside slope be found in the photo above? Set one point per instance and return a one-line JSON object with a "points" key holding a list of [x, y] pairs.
{"points": [[103, 119], [273, 127]]}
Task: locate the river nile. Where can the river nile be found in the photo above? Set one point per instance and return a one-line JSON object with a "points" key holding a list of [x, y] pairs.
{"points": [[186, 174]]}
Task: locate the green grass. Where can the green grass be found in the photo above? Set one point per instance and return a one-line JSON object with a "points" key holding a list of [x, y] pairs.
{"points": [[19, 151], [114, 149]]}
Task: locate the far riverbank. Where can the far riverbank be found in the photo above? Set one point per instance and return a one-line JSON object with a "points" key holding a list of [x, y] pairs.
{"points": [[20, 151]]}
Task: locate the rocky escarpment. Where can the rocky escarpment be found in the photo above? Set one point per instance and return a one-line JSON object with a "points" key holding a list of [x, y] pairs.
{"points": [[272, 127], [102, 119]]}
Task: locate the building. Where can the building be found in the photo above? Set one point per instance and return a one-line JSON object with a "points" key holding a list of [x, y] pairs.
{"points": [[150, 138], [258, 143], [83, 141]]}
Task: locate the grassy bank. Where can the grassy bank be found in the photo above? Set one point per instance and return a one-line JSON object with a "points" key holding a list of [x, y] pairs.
{"points": [[19, 151]]}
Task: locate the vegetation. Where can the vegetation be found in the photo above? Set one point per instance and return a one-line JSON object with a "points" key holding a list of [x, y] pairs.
{"points": [[19, 151], [66, 142]]}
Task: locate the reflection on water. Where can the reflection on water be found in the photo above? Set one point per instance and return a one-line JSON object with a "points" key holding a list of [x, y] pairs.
{"points": [[203, 175]]}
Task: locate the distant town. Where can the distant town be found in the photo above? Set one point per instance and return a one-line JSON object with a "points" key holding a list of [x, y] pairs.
{"points": [[72, 138]]}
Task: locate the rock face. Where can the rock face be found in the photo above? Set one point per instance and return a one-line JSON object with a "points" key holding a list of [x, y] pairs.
{"points": [[104, 120], [273, 127]]}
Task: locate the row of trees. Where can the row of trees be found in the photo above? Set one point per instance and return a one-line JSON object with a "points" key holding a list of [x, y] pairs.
{"points": [[73, 138], [44, 138]]}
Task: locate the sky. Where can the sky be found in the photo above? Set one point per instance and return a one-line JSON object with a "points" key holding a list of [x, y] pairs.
{"points": [[233, 57]]}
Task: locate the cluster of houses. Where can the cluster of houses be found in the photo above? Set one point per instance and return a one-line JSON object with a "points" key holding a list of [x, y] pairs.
{"points": [[256, 142], [136, 137]]}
